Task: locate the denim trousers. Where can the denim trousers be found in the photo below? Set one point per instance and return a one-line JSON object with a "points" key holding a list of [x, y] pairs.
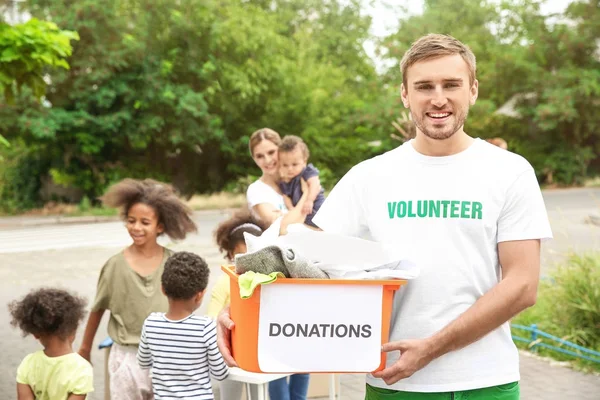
{"points": [[296, 389]]}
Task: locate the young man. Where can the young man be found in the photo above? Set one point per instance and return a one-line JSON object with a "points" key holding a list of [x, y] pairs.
{"points": [[469, 214]]}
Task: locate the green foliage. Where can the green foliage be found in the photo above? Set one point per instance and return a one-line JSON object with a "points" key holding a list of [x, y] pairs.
{"points": [[568, 303], [176, 94], [20, 169], [85, 204], [551, 68], [240, 185], [26, 49]]}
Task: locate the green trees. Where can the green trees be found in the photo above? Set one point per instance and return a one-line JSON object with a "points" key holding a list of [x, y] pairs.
{"points": [[25, 52], [544, 71], [173, 89]]}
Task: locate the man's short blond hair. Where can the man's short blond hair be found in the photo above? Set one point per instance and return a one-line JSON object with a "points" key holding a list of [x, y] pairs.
{"points": [[436, 45]]}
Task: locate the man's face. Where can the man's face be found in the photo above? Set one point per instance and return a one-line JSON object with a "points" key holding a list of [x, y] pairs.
{"points": [[438, 94], [291, 164]]}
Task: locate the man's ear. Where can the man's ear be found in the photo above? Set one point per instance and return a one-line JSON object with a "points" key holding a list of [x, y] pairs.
{"points": [[404, 95], [474, 92]]}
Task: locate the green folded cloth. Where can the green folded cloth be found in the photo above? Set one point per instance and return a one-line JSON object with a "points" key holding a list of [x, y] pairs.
{"points": [[248, 281]]}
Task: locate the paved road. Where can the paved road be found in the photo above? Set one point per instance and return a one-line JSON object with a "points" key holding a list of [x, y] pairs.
{"points": [[71, 256], [567, 209]]}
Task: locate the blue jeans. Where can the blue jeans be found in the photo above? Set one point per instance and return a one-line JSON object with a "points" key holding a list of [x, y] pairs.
{"points": [[296, 390]]}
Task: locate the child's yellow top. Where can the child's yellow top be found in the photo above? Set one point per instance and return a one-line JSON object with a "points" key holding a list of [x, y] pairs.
{"points": [[219, 297], [55, 378]]}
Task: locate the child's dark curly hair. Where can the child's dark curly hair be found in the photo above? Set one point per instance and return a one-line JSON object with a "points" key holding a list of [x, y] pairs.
{"points": [[231, 231], [171, 212], [185, 275], [48, 311]]}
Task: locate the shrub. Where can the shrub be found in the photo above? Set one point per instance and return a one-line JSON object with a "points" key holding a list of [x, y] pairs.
{"points": [[20, 171], [568, 303]]}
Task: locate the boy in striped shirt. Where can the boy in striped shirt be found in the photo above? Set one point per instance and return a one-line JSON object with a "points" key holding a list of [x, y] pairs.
{"points": [[178, 346]]}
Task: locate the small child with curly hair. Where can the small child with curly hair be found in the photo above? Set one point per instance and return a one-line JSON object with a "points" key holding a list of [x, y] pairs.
{"points": [[229, 236], [129, 282], [179, 347], [57, 372]]}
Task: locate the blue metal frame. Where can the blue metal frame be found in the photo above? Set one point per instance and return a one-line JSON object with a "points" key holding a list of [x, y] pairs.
{"points": [[105, 343], [536, 335]]}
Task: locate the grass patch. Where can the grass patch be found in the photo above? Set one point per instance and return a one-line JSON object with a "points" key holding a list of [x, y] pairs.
{"points": [[568, 307], [216, 201], [593, 182], [71, 210]]}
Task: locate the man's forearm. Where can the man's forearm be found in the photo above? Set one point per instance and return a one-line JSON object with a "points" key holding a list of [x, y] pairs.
{"points": [[503, 302]]}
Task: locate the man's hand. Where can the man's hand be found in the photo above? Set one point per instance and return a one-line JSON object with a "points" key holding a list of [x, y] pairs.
{"points": [[414, 355], [307, 207], [224, 327]]}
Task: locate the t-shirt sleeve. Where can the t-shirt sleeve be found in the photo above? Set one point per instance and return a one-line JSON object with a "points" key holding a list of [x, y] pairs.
{"points": [[524, 215], [254, 195], [286, 188], [24, 370], [309, 172], [216, 364], [144, 357], [343, 211], [83, 380], [219, 297], [102, 300]]}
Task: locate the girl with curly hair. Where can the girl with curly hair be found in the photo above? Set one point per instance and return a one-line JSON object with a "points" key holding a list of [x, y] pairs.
{"points": [[57, 372], [229, 237], [129, 282]]}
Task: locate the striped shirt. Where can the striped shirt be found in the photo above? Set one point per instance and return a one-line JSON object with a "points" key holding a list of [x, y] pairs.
{"points": [[182, 355]]}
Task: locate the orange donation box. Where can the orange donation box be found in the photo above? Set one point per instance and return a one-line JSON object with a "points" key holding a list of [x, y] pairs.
{"points": [[312, 325]]}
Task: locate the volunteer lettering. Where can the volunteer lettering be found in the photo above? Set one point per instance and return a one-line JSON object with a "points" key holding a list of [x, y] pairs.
{"points": [[320, 330], [435, 209]]}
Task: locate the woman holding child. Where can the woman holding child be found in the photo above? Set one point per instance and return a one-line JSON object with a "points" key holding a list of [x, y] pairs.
{"points": [[265, 199], [264, 196], [288, 186]]}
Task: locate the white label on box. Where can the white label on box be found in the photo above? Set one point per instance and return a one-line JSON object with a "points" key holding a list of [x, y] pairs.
{"points": [[319, 328]]}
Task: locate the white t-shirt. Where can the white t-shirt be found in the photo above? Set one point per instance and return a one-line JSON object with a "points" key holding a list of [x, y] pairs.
{"points": [[259, 192], [447, 214]]}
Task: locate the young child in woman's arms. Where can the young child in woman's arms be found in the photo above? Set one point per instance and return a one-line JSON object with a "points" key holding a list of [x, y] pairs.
{"points": [[293, 167], [57, 372]]}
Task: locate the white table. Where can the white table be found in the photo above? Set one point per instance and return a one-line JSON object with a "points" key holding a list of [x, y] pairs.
{"points": [[261, 380], [252, 378]]}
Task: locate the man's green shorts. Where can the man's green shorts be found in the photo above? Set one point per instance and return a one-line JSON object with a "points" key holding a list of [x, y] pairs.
{"points": [[510, 391]]}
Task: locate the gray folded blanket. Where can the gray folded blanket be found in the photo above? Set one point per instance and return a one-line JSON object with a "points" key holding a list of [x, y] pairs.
{"points": [[277, 259]]}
